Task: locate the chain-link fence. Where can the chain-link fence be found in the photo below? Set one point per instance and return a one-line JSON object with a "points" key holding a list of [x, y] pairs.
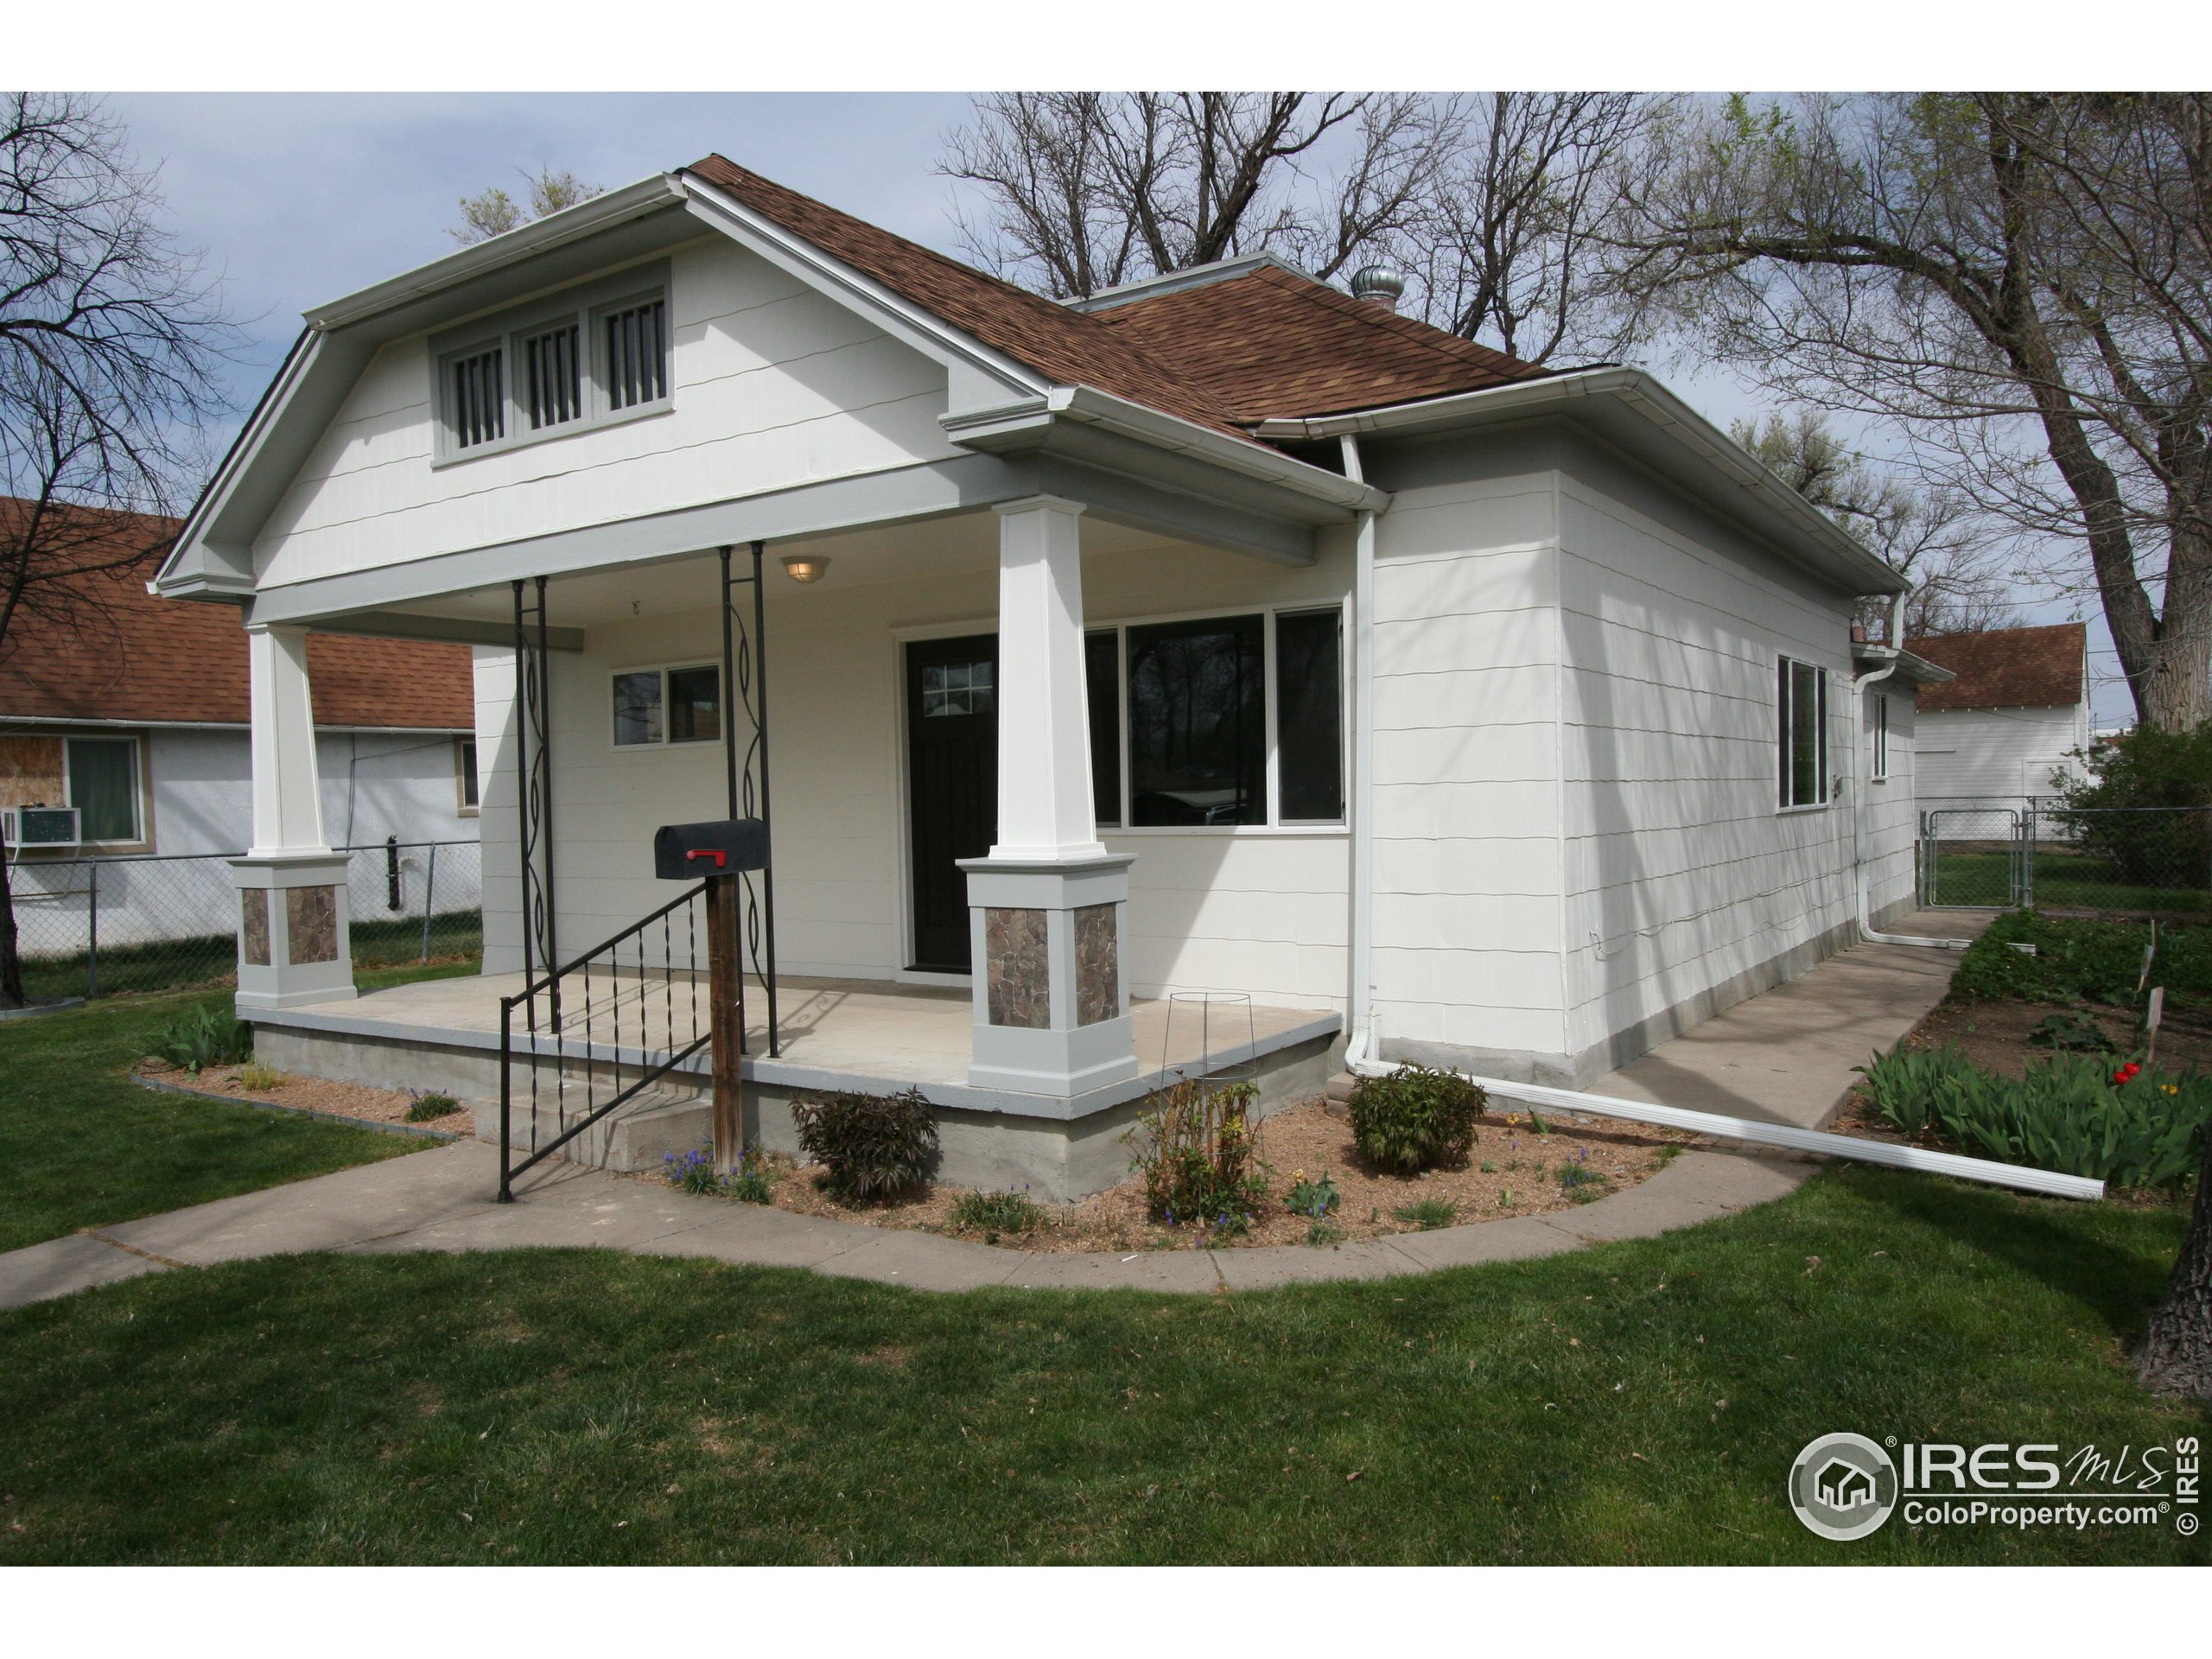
{"points": [[2132, 861], [98, 926]]}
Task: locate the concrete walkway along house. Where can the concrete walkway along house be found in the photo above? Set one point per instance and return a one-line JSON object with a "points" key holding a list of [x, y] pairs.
{"points": [[1225, 632]]}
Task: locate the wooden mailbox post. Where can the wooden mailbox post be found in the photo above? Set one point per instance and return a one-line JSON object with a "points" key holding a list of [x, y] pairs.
{"points": [[721, 851]]}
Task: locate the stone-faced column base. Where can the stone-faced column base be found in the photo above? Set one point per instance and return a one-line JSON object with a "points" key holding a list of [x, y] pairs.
{"points": [[1052, 1005], [295, 939]]}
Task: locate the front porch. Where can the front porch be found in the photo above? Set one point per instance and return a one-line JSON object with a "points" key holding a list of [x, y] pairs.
{"points": [[866, 1036]]}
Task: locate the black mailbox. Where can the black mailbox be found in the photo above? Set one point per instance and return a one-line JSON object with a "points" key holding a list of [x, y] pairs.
{"points": [[684, 852]]}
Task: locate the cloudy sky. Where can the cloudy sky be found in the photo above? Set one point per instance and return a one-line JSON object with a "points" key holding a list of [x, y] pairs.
{"points": [[296, 199]]}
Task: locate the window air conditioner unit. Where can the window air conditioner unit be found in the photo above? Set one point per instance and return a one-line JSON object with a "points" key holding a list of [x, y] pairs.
{"points": [[41, 826]]}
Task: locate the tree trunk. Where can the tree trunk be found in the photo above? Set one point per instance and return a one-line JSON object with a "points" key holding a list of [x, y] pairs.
{"points": [[11, 965], [2176, 1354]]}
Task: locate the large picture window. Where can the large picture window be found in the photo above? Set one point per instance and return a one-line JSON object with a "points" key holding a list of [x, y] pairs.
{"points": [[1801, 701], [1218, 722]]}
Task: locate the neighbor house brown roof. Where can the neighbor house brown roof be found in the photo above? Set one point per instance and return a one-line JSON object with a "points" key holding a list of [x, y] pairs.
{"points": [[1271, 343], [2006, 668], [133, 656]]}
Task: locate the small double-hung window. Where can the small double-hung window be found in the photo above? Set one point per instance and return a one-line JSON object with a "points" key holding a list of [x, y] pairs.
{"points": [[1802, 700], [596, 354]]}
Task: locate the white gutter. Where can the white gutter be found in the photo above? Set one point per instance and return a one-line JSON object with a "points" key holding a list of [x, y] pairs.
{"points": [[1359, 1048], [1866, 929], [1888, 1154]]}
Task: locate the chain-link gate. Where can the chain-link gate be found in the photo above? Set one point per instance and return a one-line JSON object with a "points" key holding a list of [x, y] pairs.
{"points": [[2118, 861], [1973, 857]]}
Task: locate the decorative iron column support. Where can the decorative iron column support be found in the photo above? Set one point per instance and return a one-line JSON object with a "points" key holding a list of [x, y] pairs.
{"points": [[534, 790], [745, 761]]}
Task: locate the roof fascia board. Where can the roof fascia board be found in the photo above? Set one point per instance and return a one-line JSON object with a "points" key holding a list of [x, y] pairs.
{"points": [[586, 219], [977, 376], [197, 566], [1913, 670], [1666, 414]]}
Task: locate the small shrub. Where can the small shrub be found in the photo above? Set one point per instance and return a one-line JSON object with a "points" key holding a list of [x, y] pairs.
{"points": [[257, 1078], [205, 1036], [1416, 1118], [1429, 1214], [424, 1107], [994, 1213], [2076, 1032], [1192, 1143], [870, 1146], [1315, 1198], [2070, 1113], [753, 1180], [2117, 799]]}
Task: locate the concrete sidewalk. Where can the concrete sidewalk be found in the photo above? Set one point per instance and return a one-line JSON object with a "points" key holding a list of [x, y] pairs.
{"points": [[1785, 1056]]}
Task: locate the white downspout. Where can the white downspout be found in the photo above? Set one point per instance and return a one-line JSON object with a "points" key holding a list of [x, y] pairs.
{"points": [[1360, 1046], [1895, 639]]}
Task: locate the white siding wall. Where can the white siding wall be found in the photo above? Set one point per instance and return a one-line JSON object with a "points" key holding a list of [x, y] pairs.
{"points": [[1970, 753], [1683, 880], [1467, 808], [1892, 815], [1251, 910], [774, 385]]}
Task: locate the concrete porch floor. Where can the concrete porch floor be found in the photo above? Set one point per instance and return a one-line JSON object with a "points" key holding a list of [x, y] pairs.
{"points": [[836, 1033]]}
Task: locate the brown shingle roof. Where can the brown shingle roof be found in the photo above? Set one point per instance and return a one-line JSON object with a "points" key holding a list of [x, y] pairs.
{"points": [[1064, 345], [138, 658], [1272, 343], [2006, 668]]}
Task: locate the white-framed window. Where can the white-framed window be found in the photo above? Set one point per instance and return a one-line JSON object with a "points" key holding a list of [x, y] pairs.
{"points": [[654, 708], [100, 779], [1226, 721], [1801, 732], [467, 783], [599, 352], [1881, 744]]}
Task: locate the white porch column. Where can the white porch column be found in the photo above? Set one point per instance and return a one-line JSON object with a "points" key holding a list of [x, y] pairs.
{"points": [[1052, 1011], [294, 942]]}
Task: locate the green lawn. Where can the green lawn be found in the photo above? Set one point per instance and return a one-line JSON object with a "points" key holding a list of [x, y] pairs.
{"points": [[82, 1146], [1641, 1402], [189, 965], [2064, 881]]}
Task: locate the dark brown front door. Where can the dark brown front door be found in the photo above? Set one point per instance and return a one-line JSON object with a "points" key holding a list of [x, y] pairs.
{"points": [[952, 771]]}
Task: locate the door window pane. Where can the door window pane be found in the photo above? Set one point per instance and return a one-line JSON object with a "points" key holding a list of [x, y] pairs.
{"points": [[949, 688], [103, 787], [1198, 722], [695, 711], [637, 708], [1309, 716], [1102, 686]]}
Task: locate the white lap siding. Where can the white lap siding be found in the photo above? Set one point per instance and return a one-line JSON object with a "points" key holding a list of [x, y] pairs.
{"points": [[1892, 819], [2001, 754], [774, 385]]}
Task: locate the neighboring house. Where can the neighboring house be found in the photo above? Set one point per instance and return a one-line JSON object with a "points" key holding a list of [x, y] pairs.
{"points": [[1224, 631], [2015, 713], [136, 715]]}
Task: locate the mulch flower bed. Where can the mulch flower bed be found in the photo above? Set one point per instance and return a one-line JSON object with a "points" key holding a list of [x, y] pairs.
{"points": [[1513, 1171], [331, 1099]]}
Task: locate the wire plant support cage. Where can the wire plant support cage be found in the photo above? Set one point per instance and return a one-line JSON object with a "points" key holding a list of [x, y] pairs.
{"points": [[611, 1023]]}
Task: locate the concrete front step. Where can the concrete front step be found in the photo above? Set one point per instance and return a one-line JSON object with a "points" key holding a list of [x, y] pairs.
{"points": [[1337, 1100], [664, 1119]]}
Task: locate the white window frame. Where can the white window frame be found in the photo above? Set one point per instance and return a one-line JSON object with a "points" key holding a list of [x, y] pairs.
{"points": [[585, 307], [141, 808], [1879, 746], [1275, 823], [1785, 712], [666, 740], [464, 770]]}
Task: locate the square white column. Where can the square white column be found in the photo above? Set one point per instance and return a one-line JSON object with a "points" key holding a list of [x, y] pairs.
{"points": [[1052, 1008], [295, 932]]}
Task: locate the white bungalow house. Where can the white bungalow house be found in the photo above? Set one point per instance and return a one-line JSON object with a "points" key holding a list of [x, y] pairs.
{"points": [[1223, 633]]}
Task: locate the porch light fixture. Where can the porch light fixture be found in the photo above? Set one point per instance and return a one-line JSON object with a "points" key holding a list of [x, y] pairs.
{"points": [[805, 567]]}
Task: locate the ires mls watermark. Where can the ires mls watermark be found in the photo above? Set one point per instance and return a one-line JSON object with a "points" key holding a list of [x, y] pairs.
{"points": [[1844, 1486]]}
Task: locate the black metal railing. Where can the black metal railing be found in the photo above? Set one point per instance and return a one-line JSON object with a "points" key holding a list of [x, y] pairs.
{"points": [[643, 991]]}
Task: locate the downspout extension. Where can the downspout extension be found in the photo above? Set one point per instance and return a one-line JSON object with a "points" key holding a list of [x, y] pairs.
{"points": [[1867, 932], [1360, 1046]]}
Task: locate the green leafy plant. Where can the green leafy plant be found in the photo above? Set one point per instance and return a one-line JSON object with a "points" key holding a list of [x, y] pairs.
{"points": [[1577, 1177], [257, 1078], [2080, 961], [426, 1108], [2071, 1113], [994, 1213], [1192, 1143], [693, 1170], [1428, 1214], [1315, 1198], [870, 1146], [1415, 1118], [2112, 804], [1323, 1232], [752, 1180], [2074, 1032], [205, 1036]]}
